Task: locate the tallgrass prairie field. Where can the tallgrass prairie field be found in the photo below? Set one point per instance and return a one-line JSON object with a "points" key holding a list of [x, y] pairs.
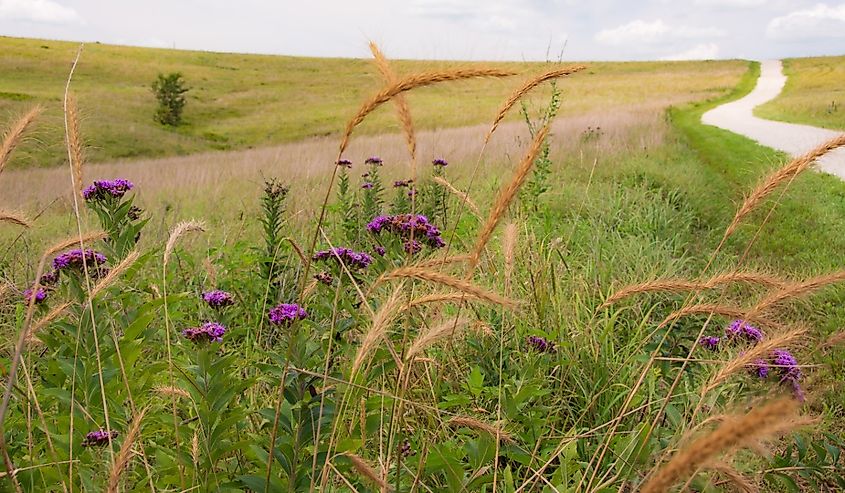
{"points": [[423, 277]]}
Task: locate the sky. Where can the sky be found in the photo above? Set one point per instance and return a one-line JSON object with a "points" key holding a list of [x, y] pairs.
{"points": [[494, 30]]}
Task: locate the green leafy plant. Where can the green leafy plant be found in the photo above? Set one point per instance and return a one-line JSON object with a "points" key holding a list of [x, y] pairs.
{"points": [[169, 91]]}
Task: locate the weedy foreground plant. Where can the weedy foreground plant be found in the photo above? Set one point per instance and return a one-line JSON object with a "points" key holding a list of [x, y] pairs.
{"points": [[382, 349]]}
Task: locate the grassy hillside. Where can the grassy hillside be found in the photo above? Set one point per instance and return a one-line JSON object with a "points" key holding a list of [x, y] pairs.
{"points": [[240, 101], [814, 93]]}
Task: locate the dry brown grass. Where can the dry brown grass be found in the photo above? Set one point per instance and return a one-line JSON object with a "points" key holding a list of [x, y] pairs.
{"points": [[15, 134], [74, 144], [462, 196], [431, 335], [723, 310], [797, 290], [178, 231], [763, 422], [527, 87], [455, 283], [114, 273], [15, 217], [367, 471], [783, 175], [478, 425], [403, 110], [125, 453], [382, 319]]}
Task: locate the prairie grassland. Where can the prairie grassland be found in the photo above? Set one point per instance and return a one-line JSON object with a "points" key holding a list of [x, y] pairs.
{"points": [[243, 101], [407, 364], [814, 93]]}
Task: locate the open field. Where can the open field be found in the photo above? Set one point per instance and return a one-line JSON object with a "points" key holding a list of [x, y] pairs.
{"points": [[814, 93], [493, 352], [241, 101]]}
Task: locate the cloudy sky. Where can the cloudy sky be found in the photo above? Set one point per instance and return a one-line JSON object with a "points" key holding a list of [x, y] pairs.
{"points": [[448, 29]]}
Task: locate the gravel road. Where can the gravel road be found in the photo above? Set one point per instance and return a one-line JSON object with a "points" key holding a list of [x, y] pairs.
{"points": [[792, 138]]}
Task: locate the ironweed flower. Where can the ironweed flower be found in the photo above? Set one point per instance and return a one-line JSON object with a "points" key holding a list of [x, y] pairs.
{"points": [[540, 344], [107, 189], [207, 332], [412, 246], [379, 250], [50, 278], [440, 162], [402, 183], [72, 260], [287, 313], [374, 160], [367, 185], [760, 368], [352, 259], [98, 438], [406, 225], [741, 328], [710, 342], [218, 299], [789, 370], [39, 295], [345, 163]]}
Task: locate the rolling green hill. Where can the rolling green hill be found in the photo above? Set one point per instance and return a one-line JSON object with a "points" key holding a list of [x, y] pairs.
{"points": [[240, 101]]}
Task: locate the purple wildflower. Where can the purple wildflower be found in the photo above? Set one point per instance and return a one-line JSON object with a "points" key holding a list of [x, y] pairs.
{"points": [[208, 332], [353, 259], [98, 438], [760, 368], [540, 344], [374, 160], [218, 299], [741, 328], [72, 260], [789, 370], [367, 185], [324, 277], [440, 162], [50, 278], [406, 226], [412, 191], [412, 246], [107, 189], [401, 183], [380, 250], [344, 163], [287, 313], [39, 295], [710, 342]]}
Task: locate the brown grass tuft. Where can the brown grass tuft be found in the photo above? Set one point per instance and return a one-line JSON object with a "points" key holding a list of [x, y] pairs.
{"points": [[734, 477], [433, 334], [464, 197], [527, 87], [15, 217], [723, 310], [364, 469], [403, 110], [450, 281], [507, 194], [171, 391], [75, 147], [785, 173], [15, 134], [468, 422], [114, 273], [381, 321], [75, 241], [509, 250], [798, 289], [762, 422], [125, 454], [181, 229], [412, 82]]}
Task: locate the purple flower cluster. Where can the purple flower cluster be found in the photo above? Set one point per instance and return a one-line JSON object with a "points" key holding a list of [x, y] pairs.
{"points": [[351, 258], [287, 313], [710, 342], [540, 344], [741, 328], [107, 189], [72, 260], [50, 278], [39, 295], [367, 185], [344, 163], [207, 332], [98, 438], [402, 183], [760, 368], [785, 364], [406, 225], [218, 299], [379, 250], [374, 160], [440, 162]]}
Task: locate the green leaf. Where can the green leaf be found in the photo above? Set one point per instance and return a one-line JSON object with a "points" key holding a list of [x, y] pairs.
{"points": [[475, 381]]}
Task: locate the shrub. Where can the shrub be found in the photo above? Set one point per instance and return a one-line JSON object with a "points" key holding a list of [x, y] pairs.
{"points": [[170, 92]]}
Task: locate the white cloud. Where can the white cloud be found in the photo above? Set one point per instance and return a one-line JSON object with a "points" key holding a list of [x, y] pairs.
{"points": [[732, 3], [820, 21], [703, 51], [644, 32], [46, 11], [493, 15]]}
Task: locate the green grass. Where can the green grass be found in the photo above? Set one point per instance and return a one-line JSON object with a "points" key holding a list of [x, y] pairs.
{"points": [[240, 101], [814, 93]]}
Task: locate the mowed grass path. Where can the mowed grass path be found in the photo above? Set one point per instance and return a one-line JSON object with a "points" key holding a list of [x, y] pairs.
{"points": [[240, 101], [814, 93]]}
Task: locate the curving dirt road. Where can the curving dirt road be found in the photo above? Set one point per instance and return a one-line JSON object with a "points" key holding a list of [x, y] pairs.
{"points": [[791, 138]]}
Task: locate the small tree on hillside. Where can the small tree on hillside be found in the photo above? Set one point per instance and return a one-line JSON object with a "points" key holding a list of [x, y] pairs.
{"points": [[170, 91]]}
